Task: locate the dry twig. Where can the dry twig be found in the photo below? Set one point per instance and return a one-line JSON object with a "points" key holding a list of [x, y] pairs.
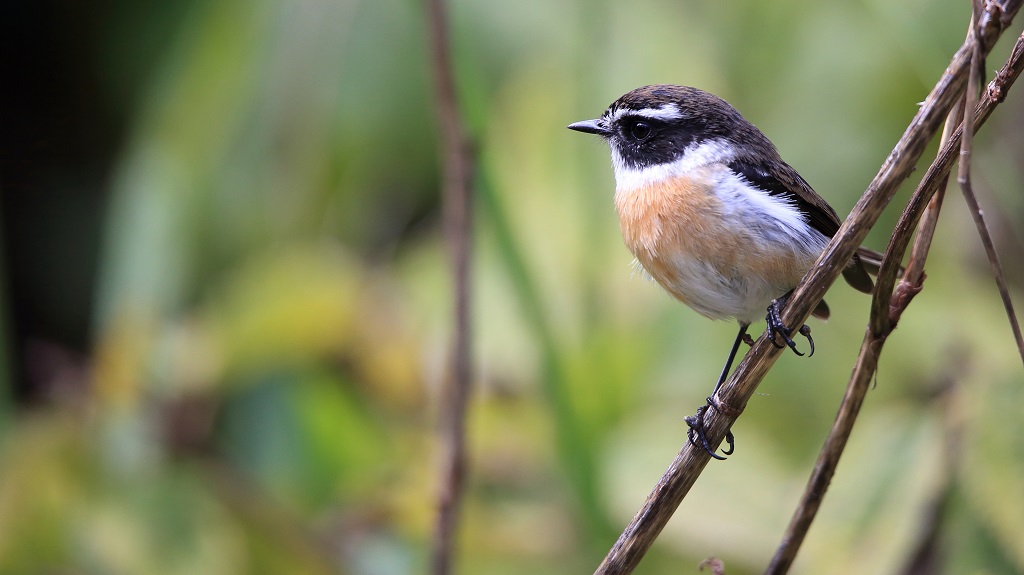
{"points": [[690, 461], [887, 307], [457, 159], [964, 180]]}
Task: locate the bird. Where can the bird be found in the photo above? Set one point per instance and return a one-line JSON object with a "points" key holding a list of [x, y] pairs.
{"points": [[715, 216]]}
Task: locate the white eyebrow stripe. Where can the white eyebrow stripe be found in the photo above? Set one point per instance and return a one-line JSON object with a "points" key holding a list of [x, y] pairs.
{"points": [[665, 112]]}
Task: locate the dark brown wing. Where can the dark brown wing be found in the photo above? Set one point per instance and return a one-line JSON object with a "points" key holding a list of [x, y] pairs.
{"points": [[857, 276], [785, 182], [821, 310]]}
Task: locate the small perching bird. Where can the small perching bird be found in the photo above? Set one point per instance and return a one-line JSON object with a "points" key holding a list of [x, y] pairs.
{"points": [[713, 213]]}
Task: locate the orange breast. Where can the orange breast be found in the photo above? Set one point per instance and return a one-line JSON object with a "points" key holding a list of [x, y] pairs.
{"points": [[701, 250]]}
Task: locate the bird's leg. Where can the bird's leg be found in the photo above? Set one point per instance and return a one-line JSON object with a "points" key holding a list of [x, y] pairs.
{"points": [[732, 356], [696, 422], [777, 328]]}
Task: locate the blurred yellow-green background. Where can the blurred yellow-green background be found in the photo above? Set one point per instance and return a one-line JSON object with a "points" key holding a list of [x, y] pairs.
{"points": [[226, 303]]}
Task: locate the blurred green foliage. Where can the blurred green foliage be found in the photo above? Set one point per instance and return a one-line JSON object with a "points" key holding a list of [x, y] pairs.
{"points": [[272, 315]]}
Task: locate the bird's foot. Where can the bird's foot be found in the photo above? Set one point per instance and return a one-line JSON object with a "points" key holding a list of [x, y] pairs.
{"points": [[777, 328], [696, 432]]}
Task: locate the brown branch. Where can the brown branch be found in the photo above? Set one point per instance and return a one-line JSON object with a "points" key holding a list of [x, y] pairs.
{"points": [[458, 168], [886, 310], [933, 181], [828, 457], [673, 486], [964, 180], [914, 273], [865, 368], [856, 390]]}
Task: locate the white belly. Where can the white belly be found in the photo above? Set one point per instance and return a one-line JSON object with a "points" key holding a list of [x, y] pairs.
{"points": [[718, 245]]}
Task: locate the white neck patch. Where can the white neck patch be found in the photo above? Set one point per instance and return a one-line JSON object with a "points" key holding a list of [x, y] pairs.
{"points": [[693, 157]]}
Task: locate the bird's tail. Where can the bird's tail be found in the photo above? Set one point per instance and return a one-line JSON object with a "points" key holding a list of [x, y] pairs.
{"points": [[862, 267]]}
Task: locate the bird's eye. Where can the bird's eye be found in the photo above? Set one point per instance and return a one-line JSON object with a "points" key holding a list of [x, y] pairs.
{"points": [[639, 130]]}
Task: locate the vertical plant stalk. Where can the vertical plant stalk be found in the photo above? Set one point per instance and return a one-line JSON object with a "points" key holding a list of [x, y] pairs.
{"points": [[457, 206], [914, 273], [675, 483], [964, 180]]}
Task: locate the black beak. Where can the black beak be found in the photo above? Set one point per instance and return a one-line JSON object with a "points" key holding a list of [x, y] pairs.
{"points": [[591, 127]]}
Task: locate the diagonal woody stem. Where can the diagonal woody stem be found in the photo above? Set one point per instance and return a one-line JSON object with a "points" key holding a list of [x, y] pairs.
{"points": [[458, 163], [886, 310], [964, 180], [673, 486]]}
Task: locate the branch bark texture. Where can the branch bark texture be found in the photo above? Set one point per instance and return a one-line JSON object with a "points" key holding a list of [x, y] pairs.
{"points": [[673, 486], [891, 299], [458, 167]]}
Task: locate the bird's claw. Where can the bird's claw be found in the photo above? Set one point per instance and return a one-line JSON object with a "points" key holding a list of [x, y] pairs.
{"points": [[696, 424], [777, 328]]}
